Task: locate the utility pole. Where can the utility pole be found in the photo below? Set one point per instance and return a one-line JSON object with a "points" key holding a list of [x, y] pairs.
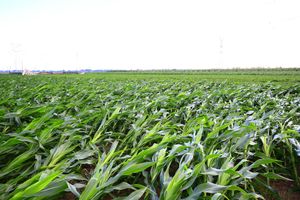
{"points": [[221, 63], [18, 62], [77, 61]]}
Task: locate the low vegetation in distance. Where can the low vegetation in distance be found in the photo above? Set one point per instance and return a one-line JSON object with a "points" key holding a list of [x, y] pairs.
{"points": [[265, 74], [150, 135]]}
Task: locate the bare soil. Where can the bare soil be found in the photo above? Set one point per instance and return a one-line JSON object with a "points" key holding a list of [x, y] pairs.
{"points": [[286, 190]]}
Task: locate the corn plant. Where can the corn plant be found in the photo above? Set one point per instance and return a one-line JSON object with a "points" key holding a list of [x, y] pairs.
{"points": [[135, 137]]}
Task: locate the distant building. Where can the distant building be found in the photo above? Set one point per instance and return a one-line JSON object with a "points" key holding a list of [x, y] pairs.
{"points": [[28, 72]]}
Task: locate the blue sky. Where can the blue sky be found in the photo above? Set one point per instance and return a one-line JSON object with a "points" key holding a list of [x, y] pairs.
{"points": [[144, 34]]}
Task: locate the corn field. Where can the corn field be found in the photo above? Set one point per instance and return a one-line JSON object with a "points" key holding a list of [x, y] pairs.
{"points": [[68, 137]]}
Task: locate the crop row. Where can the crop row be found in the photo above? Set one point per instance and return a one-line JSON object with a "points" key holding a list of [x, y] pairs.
{"points": [[66, 137]]}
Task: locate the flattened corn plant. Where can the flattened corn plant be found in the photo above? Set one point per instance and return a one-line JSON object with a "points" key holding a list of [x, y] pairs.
{"points": [[93, 138]]}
